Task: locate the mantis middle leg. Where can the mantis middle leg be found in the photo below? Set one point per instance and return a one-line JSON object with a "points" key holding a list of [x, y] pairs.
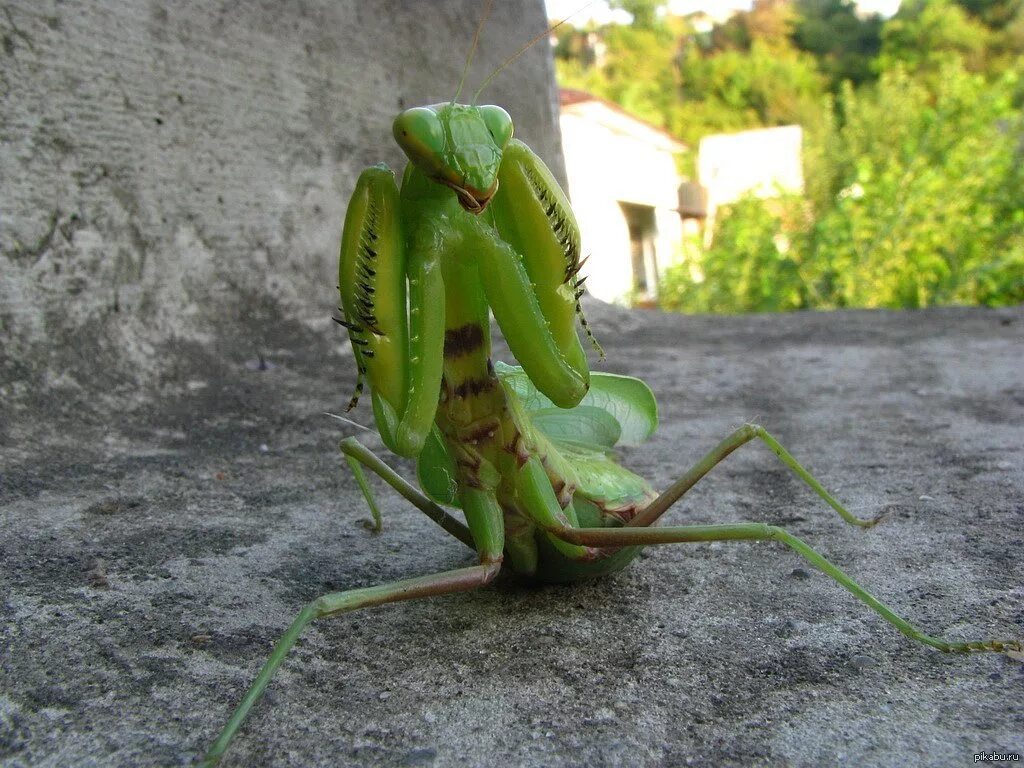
{"points": [[357, 455]]}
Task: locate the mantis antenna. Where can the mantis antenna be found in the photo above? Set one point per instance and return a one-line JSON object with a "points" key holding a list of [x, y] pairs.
{"points": [[348, 421], [529, 44], [472, 49]]}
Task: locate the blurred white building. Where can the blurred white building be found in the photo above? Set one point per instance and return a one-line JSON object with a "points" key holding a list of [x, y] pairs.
{"points": [[624, 188], [765, 162]]}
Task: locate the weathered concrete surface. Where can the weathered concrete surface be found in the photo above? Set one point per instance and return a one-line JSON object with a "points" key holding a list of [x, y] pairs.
{"points": [[151, 557], [175, 174], [173, 179]]}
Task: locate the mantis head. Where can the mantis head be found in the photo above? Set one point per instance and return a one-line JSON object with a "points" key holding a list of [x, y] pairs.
{"points": [[458, 146]]}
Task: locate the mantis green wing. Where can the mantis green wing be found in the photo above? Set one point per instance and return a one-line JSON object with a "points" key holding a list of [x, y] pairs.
{"points": [[616, 411], [578, 442], [628, 400]]}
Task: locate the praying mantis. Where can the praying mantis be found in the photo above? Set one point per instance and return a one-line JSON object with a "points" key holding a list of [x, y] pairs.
{"points": [[478, 225]]}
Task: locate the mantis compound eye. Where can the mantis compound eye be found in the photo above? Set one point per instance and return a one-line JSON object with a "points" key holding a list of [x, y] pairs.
{"points": [[419, 133], [498, 123]]}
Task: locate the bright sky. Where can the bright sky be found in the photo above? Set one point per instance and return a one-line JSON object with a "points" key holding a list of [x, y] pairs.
{"points": [[559, 9]]}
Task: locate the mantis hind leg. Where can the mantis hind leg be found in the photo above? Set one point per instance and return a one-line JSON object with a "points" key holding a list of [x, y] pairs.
{"points": [[447, 582], [358, 455], [740, 437], [627, 537]]}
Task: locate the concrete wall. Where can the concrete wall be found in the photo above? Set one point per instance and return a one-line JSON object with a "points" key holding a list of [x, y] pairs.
{"points": [[173, 176]]}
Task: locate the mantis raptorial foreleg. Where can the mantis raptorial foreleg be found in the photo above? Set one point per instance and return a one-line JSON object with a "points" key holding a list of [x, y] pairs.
{"points": [[632, 537], [447, 582], [533, 215], [398, 350], [740, 437]]}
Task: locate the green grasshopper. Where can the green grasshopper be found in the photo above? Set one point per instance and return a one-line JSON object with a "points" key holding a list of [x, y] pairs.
{"points": [[479, 225]]}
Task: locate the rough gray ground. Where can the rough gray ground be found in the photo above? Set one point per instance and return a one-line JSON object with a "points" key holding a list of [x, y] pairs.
{"points": [[173, 178], [152, 555]]}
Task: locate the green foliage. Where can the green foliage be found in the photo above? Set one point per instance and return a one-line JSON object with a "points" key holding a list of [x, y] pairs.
{"points": [[843, 42], [769, 22], [913, 153], [928, 34], [995, 14], [929, 203], [988, 35], [734, 90], [658, 70], [750, 268], [925, 206], [644, 12], [637, 70]]}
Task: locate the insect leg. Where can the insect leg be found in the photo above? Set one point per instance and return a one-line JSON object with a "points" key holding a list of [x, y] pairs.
{"points": [[538, 502], [447, 582], [357, 455], [532, 277], [740, 437], [392, 299], [510, 292], [372, 271], [533, 214], [620, 537], [426, 348]]}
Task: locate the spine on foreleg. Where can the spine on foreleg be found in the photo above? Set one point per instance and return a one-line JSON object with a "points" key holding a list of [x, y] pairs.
{"points": [[528, 274], [541, 226], [396, 329]]}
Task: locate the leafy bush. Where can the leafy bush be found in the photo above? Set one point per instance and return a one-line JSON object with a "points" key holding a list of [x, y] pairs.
{"points": [[750, 268], [913, 146], [924, 204]]}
